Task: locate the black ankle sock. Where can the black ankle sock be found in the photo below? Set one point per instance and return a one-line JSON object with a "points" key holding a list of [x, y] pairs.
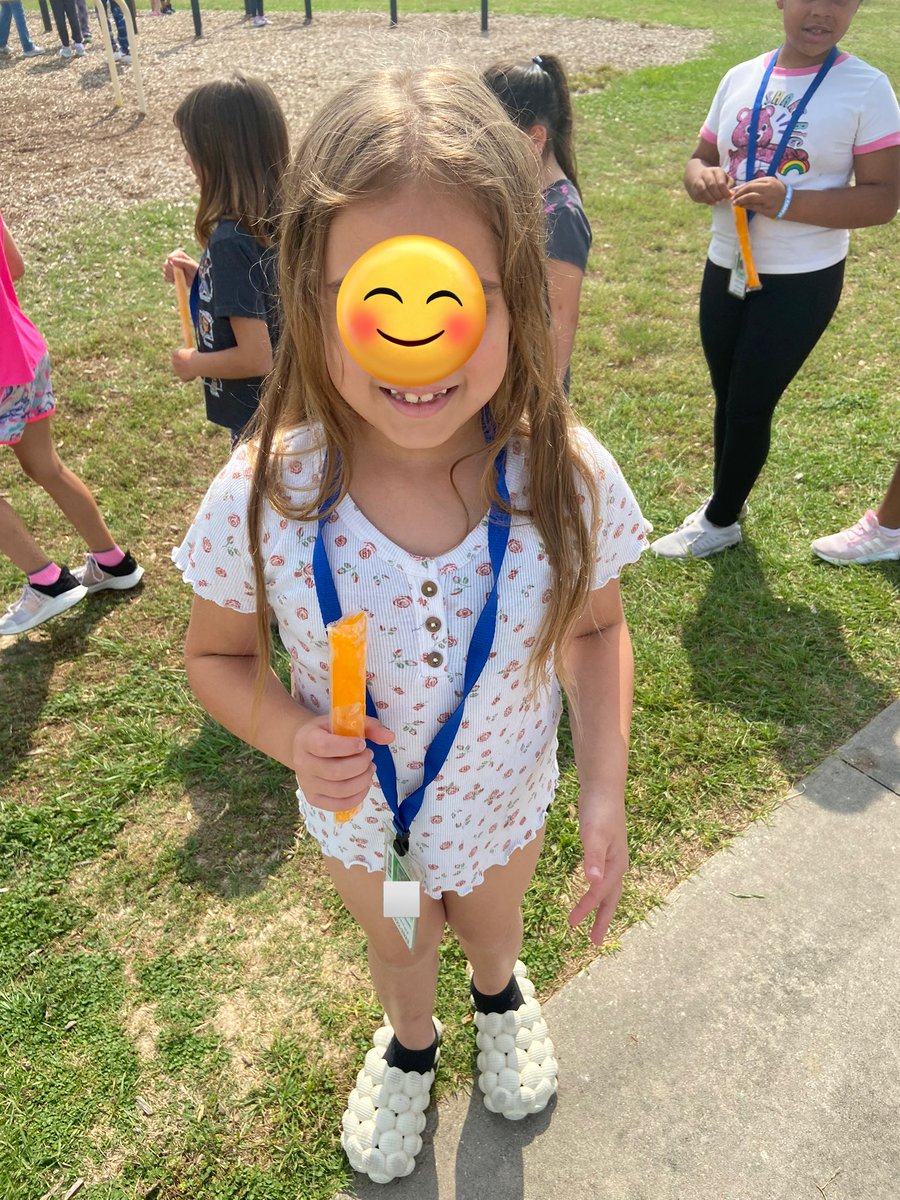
{"points": [[65, 583], [397, 1055], [510, 997], [125, 567]]}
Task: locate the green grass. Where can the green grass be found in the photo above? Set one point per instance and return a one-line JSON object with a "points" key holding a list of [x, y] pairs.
{"points": [[182, 999]]}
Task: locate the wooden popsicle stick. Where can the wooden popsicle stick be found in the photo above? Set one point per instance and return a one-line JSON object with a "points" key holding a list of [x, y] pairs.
{"points": [[743, 232], [347, 643], [184, 308]]}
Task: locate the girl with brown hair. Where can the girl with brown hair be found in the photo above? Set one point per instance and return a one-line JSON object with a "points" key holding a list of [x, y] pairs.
{"points": [[236, 140], [481, 530]]}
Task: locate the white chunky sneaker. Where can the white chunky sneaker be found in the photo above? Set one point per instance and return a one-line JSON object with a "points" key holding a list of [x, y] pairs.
{"points": [[697, 539], [385, 1115], [516, 1060], [864, 542]]}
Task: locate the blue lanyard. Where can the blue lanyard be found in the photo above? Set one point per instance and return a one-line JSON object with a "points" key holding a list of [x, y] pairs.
{"points": [[795, 116], [405, 812]]}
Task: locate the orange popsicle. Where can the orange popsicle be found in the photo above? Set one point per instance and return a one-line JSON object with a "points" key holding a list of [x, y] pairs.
{"points": [[347, 643], [184, 308], [743, 232]]}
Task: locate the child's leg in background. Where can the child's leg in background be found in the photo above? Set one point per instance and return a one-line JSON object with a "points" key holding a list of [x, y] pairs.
{"points": [[83, 19], [59, 16], [121, 27], [39, 460], [13, 11], [63, 10], [488, 921], [406, 983]]}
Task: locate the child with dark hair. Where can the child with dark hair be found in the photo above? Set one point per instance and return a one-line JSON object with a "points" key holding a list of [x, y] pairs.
{"points": [[536, 96], [236, 140]]}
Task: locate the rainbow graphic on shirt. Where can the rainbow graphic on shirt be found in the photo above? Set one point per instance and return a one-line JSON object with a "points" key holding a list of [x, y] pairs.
{"points": [[795, 166]]}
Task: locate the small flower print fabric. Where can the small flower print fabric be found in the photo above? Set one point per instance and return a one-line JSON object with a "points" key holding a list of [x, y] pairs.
{"points": [[493, 792]]}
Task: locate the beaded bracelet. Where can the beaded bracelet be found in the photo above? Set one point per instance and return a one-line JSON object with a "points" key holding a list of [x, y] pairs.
{"points": [[788, 197]]}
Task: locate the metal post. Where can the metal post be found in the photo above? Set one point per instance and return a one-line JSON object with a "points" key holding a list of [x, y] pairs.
{"points": [[484, 16], [195, 13], [45, 16], [307, 20], [393, 14]]}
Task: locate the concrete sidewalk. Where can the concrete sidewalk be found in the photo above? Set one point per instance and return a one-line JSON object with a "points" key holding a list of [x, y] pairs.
{"points": [[745, 1042]]}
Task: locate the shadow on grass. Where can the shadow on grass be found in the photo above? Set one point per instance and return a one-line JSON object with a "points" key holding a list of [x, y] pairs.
{"points": [[27, 666], [777, 662], [246, 809]]}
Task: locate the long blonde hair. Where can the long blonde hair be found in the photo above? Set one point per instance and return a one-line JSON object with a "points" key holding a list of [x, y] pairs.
{"points": [[444, 126]]}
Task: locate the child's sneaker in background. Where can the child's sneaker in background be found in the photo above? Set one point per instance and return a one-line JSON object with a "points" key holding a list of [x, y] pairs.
{"points": [[35, 606], [120, 578], [79, 49], [865, 542], [34, 52], [65, 52]]}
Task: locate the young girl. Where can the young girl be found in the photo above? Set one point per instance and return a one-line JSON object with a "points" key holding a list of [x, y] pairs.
{"points": [[399, 500], [807, 117], [26, 403], [536, 96], [236, 140]]}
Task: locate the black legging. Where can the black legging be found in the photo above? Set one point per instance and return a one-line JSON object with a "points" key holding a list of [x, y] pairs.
{"points": [[754, 347], [61, 10]]}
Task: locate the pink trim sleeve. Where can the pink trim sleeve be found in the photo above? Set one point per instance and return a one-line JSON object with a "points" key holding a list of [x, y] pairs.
{"points": [[707, 135], [892, 139]]}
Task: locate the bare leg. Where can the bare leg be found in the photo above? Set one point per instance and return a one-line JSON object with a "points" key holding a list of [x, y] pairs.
{"points": [[17, 543], [406, 983], [889, 512], [488, 921], [39, 460]]}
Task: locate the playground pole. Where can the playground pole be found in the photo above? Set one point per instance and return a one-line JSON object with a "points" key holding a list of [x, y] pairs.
{"points": [[195, 13], [484, 17], [393, 14], [307, 20], [127, 11]]}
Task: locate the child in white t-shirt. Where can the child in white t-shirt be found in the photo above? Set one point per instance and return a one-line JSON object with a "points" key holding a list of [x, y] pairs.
{"points": [[802, 206], [474, 523]]}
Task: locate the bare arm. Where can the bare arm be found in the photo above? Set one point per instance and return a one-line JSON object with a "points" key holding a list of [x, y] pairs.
{"points": [[564, 289], [600, 664], [13, 257], [704, 180], [251, 357], [221, 660], [873, 201]]}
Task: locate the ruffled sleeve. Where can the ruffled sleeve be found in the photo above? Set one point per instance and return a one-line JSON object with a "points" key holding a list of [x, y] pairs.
{"points": [[214, 557], [622, 536]]}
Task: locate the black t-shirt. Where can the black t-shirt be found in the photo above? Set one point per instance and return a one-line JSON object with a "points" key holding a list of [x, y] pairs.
{"points": [[235, 278]]}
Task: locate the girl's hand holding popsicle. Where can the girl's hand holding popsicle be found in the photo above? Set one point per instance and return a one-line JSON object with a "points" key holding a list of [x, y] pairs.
{"points": [[332, 761]]}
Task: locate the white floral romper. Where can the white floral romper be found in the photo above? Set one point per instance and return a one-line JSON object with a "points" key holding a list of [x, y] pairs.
{"points": [[493, 791]]}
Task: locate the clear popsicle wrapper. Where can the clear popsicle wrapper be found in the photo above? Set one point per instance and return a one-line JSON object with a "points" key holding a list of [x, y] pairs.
{"points": [[347, 646], [743, 231], [184, 308]]}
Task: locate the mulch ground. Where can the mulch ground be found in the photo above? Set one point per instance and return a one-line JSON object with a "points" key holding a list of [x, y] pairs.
{"points": [[69, 146]]}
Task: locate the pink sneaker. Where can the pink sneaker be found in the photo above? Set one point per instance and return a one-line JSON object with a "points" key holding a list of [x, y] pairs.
{"points": [[864, 542]]}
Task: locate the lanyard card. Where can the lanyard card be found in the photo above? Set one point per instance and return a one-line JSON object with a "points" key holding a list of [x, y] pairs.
{"points": [[402, 890], [737, 282]]}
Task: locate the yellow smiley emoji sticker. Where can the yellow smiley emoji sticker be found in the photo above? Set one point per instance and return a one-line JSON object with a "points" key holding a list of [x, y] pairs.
{"points": [[411, 311]]}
